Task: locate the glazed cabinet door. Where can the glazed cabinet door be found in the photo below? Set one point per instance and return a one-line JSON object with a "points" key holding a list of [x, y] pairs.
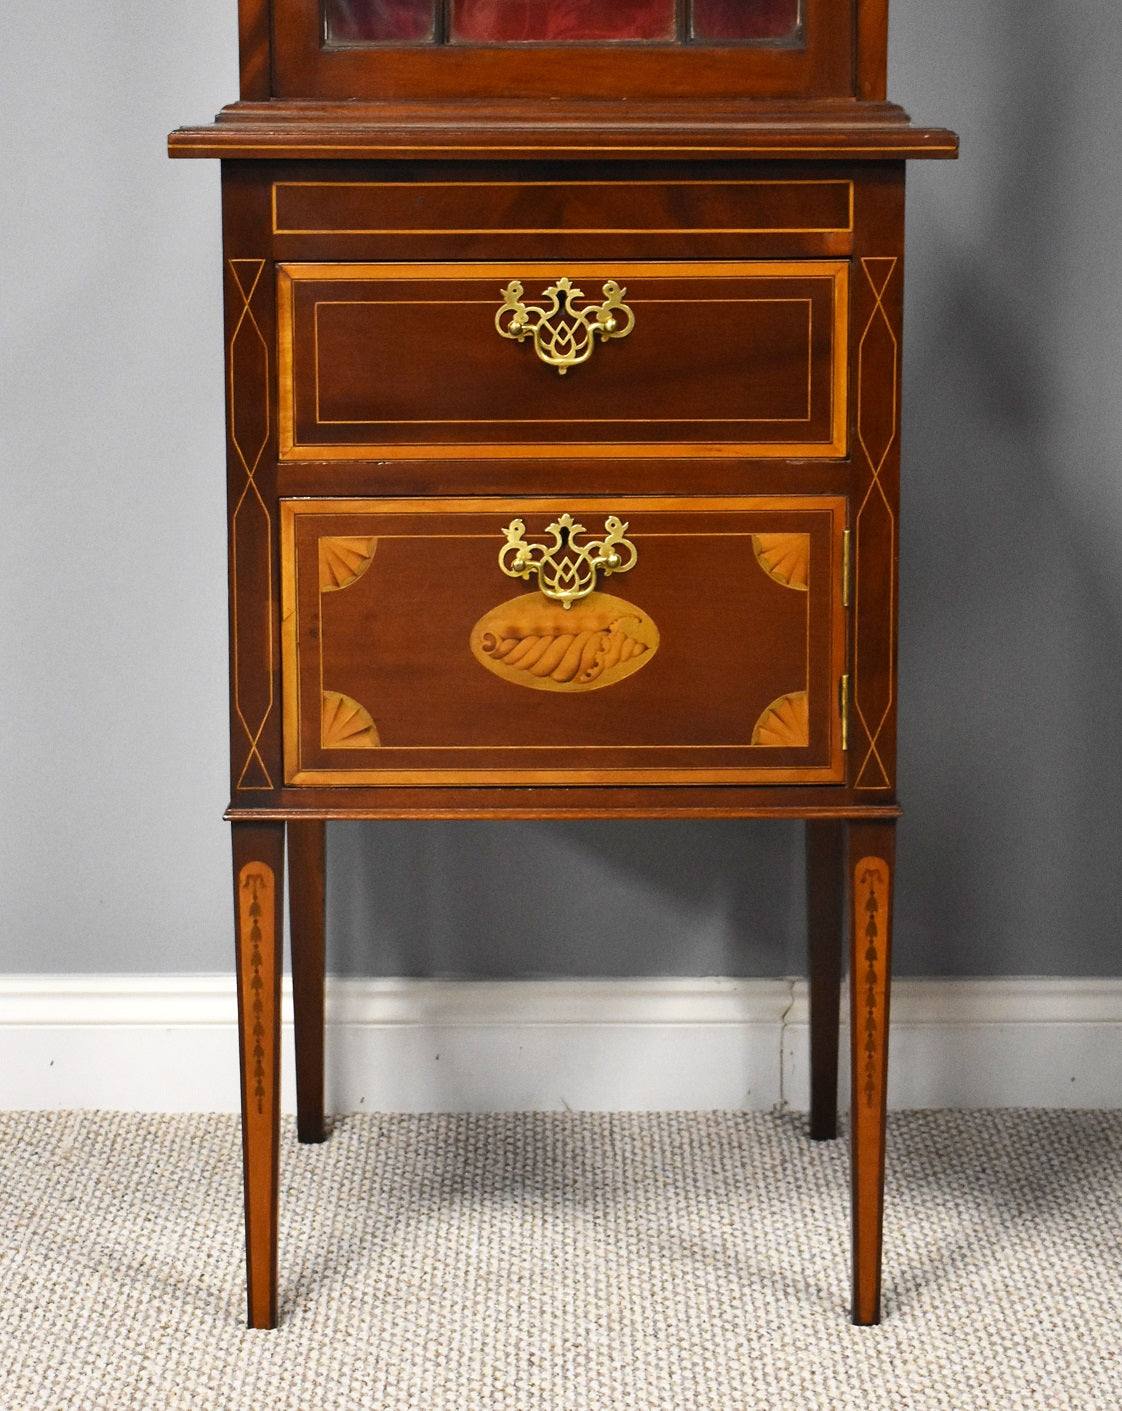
{"points": [[488, 49]]}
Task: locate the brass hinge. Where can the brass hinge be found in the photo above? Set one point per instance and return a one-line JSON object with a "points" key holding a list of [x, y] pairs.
{"points": [[847, 543], [843, 702]]}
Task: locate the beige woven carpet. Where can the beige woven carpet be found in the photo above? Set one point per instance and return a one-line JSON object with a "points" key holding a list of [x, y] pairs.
{"points": [[562, 1263]]}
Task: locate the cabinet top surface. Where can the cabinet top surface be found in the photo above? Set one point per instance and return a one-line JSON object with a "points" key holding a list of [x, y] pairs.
{"points": [[564, 130]]}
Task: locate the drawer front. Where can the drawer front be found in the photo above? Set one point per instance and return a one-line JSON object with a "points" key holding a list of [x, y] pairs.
{"points": [[711, 652], [640, 216], [707, 358]]}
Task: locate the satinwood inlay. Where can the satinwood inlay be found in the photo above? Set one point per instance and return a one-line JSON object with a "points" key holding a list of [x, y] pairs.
{"points": [[785, 723], [256, 898], [532, 641], [343, 560], [871, 911], [784, 557], [250, 403], [345, 724], [877, 392]]}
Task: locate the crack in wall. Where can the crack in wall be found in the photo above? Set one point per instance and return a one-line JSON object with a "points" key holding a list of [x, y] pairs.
{"points": [[781, 1105]]}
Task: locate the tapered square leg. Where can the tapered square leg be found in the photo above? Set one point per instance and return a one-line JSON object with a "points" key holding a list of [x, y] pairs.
{"points": [[306, 919], [825, 913], [871, 876], [258, 908]]}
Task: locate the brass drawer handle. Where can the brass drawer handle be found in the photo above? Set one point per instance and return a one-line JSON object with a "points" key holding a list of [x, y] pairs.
{"points": [[567, 570], [564, 335]]}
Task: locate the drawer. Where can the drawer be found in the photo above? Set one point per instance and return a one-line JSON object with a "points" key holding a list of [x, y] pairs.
{"points": [[642, 210], [742, 359], [429, 641]]}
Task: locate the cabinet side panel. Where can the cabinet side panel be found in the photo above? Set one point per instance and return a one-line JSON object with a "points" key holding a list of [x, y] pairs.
{"points": [[251, 482], [875, 347]]}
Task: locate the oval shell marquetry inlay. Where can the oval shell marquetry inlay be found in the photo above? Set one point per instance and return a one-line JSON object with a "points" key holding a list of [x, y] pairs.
{"points": [[534, 642]]}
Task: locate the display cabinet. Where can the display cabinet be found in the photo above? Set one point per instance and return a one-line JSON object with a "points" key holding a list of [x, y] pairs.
{"points": [[563, 351]]}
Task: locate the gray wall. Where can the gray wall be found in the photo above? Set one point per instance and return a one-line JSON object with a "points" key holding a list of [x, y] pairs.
{"points": [[112, 668]]}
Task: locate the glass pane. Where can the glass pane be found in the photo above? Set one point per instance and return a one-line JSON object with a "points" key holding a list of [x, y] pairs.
{"points": [[374, 21], [561, 21], [717, 20]]}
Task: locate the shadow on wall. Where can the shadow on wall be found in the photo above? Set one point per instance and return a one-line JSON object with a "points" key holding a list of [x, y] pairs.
{"points": [[1011, 613], [590, 898]]}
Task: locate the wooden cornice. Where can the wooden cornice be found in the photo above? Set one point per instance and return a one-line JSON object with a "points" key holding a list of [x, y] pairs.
{"points": [[834, 130]]}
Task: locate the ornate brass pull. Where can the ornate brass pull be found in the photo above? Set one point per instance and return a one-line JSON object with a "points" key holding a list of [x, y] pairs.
{"points": [[567, 570], [564, 335]]}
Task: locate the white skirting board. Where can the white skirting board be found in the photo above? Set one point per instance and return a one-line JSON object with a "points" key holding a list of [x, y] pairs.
{"points": [[168, 1044]]}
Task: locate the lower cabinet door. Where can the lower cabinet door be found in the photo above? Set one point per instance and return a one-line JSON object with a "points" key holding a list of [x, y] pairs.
{"points": [[629, 640]]}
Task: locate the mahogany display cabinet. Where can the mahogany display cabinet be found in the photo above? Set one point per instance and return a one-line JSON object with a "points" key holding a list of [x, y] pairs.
{"points": [[563, 346]]}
